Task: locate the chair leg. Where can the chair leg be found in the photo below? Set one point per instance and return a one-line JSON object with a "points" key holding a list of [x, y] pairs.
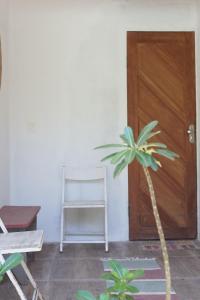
{"points": [[14, 281], [16, 285], [35, 295], [32, 281], [106, 246], [106, 229], [61, 230]]}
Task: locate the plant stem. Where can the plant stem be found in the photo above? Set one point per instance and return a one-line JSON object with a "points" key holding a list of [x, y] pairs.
{"points": [[160, 233]]}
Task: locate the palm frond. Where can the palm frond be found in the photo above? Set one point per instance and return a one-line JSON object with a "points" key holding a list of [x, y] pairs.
{"points": [[109, 156], [159, 145], [110, 146], [118, 156], [154, 164], [167, 153], [128, 133], [124, 139], [142, 151], [144, 158], [120, 167], [150, 135], [130, 156], [144, 134]]}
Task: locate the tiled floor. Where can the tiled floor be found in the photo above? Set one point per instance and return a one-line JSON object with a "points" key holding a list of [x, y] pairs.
{"points": [[79, 267]]}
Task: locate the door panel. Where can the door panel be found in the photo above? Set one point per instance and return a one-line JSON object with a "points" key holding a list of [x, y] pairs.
{"points": [[161, 86]]}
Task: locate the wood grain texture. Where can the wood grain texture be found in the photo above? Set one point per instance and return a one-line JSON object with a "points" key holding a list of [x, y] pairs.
{"points": [[161, 86]]}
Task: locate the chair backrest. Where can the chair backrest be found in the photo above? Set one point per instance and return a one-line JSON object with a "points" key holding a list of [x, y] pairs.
{"points": [[84, 173], [81, 174]]}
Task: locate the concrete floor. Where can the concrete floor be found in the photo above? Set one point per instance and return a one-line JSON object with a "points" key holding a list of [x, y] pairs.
{"points": [[79, 267]]}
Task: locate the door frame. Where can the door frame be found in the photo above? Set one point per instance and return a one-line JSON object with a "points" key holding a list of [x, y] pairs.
{"points": [[197, 63]]}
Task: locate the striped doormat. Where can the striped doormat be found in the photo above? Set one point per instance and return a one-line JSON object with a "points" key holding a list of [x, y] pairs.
{"points": [[152, 285]]}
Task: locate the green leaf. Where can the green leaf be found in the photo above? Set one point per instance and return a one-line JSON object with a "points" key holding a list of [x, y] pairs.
{"points": [[140, 158], [129, 297], [154, 165], [109, 156], [145, 132], [116, 288], [120, 167], [131, 156], [116, 267], [128, 132], [150, 135], [108, 276], [111, 146], [124, 139], [84, 295], [134, 275], [167, 153], [125, 271], [143, 158], [11, 262], [104, 297], [112, 289], [118, 156], [132, 289]]}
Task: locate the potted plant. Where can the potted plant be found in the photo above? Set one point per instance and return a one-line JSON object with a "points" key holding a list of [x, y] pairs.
{"points": [[146, 153]]}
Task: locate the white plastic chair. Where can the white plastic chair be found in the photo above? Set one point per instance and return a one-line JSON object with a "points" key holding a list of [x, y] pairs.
{"points": [[81, 176], [21, 242]]}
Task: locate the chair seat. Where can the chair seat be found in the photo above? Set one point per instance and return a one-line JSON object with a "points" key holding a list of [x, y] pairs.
{"points": [[17, 242], [82, 204]]}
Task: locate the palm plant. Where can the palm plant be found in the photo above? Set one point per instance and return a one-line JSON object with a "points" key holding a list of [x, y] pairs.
{"points": [[143, 151]]}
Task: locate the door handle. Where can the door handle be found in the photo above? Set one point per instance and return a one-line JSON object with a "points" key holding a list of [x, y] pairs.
{"points": [[191, 133]]}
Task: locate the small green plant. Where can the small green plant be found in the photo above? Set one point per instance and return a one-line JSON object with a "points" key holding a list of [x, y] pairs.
{"points": [[120, 279], [11, 262]]}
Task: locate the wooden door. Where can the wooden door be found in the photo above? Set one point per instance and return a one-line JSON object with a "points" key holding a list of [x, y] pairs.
{"points": [[161, 86]]}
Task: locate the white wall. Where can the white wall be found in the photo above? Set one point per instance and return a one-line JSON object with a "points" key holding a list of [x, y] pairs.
{"points": [[68, 78], [4, 106]]}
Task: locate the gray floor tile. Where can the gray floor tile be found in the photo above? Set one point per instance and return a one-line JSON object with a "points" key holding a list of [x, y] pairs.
{"points": [[183, 267], [187, 289], [175, 253], [67, 290], [40, 269], [81, 251], [127, 249], [71, 269], [48, 252], [8, 292]]}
